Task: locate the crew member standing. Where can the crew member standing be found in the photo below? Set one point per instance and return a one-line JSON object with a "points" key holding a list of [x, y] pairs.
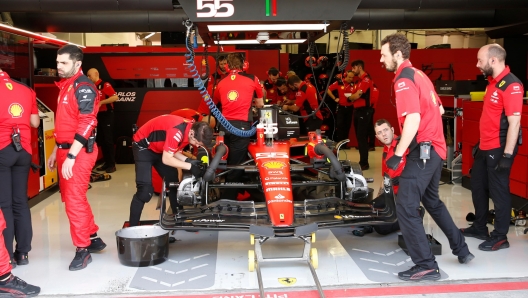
{"points": [[18, 112], [159, 144], [499, 130], [75, 152], [417, 108], [212, 83], [362, 111], [105, 120], [306, 101], [235, 93], [272, 96], [345, 108]]}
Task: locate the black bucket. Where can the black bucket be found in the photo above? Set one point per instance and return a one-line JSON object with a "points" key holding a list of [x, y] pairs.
{"points": [[142, 246]]}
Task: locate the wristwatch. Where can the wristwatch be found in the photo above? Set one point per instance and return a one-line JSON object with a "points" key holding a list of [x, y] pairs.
{"points": [[71, 156], [507, 155]]}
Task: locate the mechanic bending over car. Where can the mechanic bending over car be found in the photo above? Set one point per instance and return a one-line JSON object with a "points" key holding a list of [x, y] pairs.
{"points": [[235, 95], [418, 113], [158, 143], [306, 101]]}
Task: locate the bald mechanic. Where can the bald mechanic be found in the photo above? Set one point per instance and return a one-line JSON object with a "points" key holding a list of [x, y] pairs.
{"points": [[75, 152], [159, 144], [105, 120], [499, 130]]}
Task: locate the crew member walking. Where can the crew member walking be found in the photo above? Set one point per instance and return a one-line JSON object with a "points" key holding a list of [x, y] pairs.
{"points": [[422, 134], [75, 152]]}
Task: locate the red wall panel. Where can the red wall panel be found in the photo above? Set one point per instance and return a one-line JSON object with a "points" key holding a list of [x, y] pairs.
{"points": [[260, 62], [157, 103]]}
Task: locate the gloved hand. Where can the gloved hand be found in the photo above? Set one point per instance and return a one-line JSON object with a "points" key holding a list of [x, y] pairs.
{"points": [[197, 170], [505, 163], [197, 167], [393, 162]]}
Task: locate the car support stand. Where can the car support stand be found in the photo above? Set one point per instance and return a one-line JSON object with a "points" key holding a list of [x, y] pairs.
{"points": [[309, 256]]}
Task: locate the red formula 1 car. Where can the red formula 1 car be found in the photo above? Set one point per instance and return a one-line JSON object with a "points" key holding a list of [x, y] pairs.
{"points": [[288, 196]]}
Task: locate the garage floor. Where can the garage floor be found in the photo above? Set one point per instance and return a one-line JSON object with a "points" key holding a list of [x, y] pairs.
{"points": [[214, 264]]}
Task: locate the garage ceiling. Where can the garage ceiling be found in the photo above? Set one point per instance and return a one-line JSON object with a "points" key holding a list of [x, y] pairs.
{"points": [[500, 18]]}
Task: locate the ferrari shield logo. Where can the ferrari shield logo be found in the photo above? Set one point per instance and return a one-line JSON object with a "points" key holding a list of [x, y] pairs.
{"points": [[502, 83], [9, 86], [281, 216], [287, 281]]}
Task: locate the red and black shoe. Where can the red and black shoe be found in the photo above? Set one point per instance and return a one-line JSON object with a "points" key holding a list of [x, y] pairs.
{"points": [[81, 260], [494, 243], [16, 287], [417, 273]]}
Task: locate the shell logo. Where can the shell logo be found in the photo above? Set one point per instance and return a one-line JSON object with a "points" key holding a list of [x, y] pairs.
{"points": [[232, 95], [16, 110], [274, 165]]}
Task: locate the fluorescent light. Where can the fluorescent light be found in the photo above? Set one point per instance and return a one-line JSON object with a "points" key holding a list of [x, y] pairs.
{"points": [[36, 35], [282, 41], [150, 35], [254, 41], [238, 41], [266, 27]]}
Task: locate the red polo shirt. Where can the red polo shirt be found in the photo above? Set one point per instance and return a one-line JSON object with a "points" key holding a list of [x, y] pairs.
{"points": [[235, 92], [363, 84], [17, 103], [415, 93], [503, 98], [306, 99], [105, 91], [343, 89], [165, 133]]}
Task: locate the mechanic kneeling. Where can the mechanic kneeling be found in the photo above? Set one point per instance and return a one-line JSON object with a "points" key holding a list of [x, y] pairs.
{"points": [[158, 143]]}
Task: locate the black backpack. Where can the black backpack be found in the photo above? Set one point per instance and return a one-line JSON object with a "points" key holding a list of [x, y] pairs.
{"points": [[124, 153]]}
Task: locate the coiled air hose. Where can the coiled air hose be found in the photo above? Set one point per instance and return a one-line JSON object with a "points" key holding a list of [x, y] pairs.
{"points": [[189, 56]]}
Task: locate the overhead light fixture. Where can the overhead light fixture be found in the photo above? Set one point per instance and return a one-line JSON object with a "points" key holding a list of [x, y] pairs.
{"points": [[254, 41], [281, 41], [266, 27], [239, 41], [150, 35], [34, 35]]}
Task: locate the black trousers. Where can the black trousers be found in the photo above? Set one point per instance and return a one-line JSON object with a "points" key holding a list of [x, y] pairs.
{"points": [[14, 173], [237, 154], [372, 133], [343, 122], [144, 160], [486, 183], [105, 136], [362, 124], [419, 182]]}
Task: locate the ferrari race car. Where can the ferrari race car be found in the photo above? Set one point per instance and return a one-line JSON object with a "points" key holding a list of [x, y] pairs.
{"points": [[288, 196]]}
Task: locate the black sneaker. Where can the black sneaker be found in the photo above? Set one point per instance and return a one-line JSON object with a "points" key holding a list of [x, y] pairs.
{"points": [[21, 258], [102, 168], [466, 259], [494, 243], [473, 232], [81, 260], [13, 263], [96, 244], [417, 273], [18, 288], [110, 169]]}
